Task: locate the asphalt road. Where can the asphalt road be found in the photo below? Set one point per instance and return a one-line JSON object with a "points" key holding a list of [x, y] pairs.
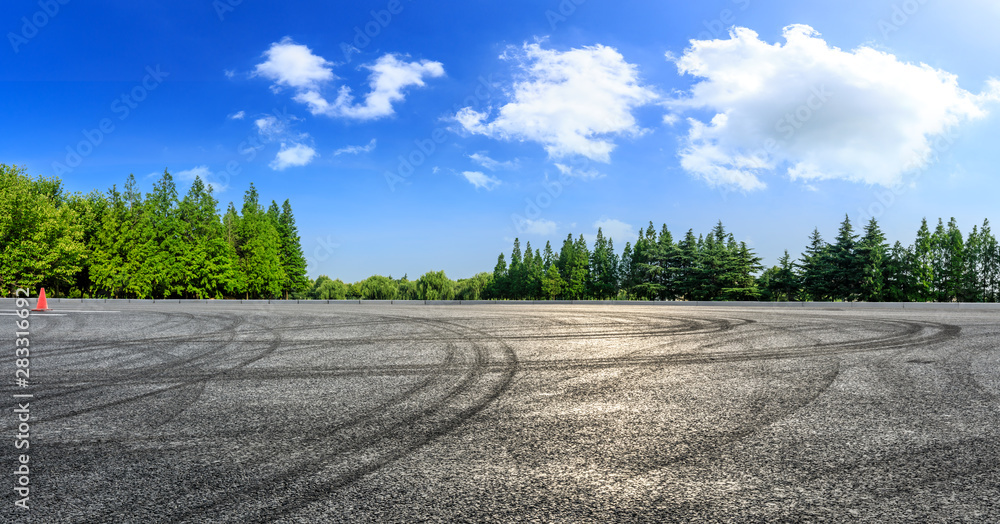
{"points": [[372, 413]]}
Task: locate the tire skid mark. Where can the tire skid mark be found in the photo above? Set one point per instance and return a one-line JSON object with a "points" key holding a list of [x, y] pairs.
{"points": [[359, 418], [152, 373], [750, 426], [390, 431], [140, 375]]}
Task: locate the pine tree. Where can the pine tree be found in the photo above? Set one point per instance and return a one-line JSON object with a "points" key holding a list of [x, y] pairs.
{"points": [[110, 252], [955, 262], [782, 283], [923, 264], [844, 263], [900, 279], [815, 269], [162, 233], [625, 270], [208, 261], [940, 253], [516, 273], [142, 245], [548, 257], [535, 272], [872, 252], [688, 266], [498, 288], [293, 261], [603, 268], [990, 267], [737, 281], [971, 288], [259, 249], [552, 283], [572, 267]]}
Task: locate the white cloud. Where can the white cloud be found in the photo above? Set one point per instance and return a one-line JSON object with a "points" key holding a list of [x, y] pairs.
{"points": [[206, 176], [239, 115], [482, 159], [354, 150], [617, 230], [481, 180], [814, 111], [294, 65], [270, 127], [295, 155], [540, 227], [389, 77], [585, 173], [571, 102], [229, 73]]}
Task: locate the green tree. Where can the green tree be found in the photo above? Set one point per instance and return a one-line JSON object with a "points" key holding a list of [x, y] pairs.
{"points": [[498, 288], [815, 268], [603, 268], [434, 285], [258, 247], [552, 284], [376, 287], [781, 282], [474, 288], [572, 265], [900, 279], [326, 289], [923, 264], [844, 264], [738, 282], [293, 262], [207, 262], [872, 252], [41, 239], [955, 280]]}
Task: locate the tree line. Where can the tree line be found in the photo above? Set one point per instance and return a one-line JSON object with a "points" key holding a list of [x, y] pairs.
{"points": [[941, 265], [123, 244]]}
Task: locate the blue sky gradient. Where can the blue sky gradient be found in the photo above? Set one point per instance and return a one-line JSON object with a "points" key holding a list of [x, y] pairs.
{"points": [[139, 87]]}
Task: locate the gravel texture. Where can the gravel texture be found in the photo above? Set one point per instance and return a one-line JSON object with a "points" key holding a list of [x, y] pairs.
{"points": [[498, 413]]}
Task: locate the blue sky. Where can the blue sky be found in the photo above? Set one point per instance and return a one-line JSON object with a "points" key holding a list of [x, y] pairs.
{"points": [[413, 136]]}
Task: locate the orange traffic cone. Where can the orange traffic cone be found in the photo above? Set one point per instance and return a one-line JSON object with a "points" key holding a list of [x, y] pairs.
{"points": [[43, 305]]}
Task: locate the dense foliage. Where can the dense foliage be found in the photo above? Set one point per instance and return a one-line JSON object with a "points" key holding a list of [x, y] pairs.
{"points": [[158, 245], [941, 265]]}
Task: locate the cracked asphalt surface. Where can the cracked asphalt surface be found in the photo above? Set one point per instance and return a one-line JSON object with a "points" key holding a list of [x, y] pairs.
{"points": [[376, 413]]}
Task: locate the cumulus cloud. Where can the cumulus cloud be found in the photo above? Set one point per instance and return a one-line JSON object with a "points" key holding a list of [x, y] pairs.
{"points": [[482, 159], [295, 66], [294, 155], [540, 227], [354, 150], [481, 180], [572, 102], [617, 230], [389, 77], [239, 115], [814, 111]]}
